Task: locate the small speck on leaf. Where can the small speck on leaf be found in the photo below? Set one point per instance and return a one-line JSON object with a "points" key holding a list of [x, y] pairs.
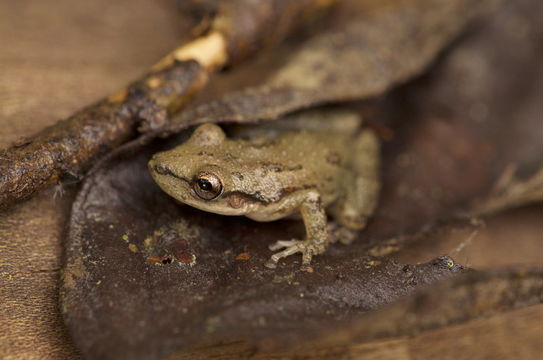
{"points": [[243, 256]]}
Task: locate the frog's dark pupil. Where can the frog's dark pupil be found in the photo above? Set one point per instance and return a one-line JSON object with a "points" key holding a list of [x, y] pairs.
{"points": [[204, 184]]}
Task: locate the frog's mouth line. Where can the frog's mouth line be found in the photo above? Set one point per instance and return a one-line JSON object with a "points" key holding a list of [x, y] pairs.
{"points": [[164, 171]]}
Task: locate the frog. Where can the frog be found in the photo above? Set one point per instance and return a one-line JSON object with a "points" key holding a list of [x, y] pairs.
{"points": [[312, 165]]}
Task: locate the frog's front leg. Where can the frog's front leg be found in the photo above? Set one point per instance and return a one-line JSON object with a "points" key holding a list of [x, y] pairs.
{"points": [[314, 218]]}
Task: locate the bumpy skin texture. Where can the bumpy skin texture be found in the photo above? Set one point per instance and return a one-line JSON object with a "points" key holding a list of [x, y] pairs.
{"points": [[300, 166]]}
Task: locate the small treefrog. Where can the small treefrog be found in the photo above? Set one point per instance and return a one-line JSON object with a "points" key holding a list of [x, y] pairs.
{"points": [[309, 164]]}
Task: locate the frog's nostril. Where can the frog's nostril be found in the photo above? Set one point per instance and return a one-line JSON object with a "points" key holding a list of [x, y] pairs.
{"points": [[161, 169]]}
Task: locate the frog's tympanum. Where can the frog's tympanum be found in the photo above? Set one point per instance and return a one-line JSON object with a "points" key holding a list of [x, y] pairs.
{"points": [[308, 165]]}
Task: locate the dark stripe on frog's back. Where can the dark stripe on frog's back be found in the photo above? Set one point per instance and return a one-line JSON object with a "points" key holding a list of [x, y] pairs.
{"points": [[278, 167], [224, 157], [321, 153], [323, 160], [258, 197]]}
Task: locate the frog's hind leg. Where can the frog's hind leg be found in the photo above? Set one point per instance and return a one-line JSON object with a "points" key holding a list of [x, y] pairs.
{"points": [[362, 187]]}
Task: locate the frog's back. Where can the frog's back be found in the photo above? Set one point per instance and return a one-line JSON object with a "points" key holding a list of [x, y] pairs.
{"points": [[301, 151], [300, 160], [322, 153]]}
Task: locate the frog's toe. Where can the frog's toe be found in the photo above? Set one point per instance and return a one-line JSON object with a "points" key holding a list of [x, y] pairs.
{"points": [[296, 247], [282, 244], [306, 247]]}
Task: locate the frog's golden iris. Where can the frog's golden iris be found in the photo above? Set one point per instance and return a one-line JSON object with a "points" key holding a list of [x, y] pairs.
{"points": [[207, 185]]}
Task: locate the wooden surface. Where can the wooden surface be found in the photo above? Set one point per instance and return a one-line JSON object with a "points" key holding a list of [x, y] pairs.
{"points": [[59, 56]]}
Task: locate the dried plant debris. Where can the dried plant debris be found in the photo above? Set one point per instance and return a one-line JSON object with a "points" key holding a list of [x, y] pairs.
{"points": [[146, 277], [449, 302], [484, 294], [369, 47], [500, 114], [511, 192]]}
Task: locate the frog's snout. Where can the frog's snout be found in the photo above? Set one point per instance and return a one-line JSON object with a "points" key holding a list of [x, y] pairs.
{"points": [[157, 166], [161, 169]]}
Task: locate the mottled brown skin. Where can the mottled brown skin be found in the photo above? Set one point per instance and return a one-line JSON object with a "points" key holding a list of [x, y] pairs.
{"points": [[278, 172]]}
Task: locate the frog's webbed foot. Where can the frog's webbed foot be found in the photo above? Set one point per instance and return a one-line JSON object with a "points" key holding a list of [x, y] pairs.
{"points": [[307, 248]]}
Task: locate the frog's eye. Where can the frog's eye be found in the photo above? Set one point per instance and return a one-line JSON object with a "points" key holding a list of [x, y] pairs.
{"points": [[207, 186]]}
